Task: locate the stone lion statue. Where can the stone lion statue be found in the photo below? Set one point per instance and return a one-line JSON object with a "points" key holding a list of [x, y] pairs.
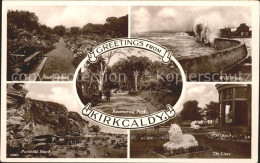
{"points": [[179, 140]]}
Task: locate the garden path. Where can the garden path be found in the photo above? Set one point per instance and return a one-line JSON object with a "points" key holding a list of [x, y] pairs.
{"points": [[122, 104], [59, 63]]}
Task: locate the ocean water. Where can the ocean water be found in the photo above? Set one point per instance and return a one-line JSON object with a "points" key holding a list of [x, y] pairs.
{"points": [[180, 43]]}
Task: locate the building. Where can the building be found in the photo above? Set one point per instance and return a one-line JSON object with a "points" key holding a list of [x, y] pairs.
{"points": [[235, 104], [242, 31]]}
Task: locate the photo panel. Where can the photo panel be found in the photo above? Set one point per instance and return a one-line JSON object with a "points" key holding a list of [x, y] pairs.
{"points": [[214, 121], [45, 121], [46, 43], [212, 43]]}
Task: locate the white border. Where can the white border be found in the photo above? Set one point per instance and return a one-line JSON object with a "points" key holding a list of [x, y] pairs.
{"points": [[255, 76]]}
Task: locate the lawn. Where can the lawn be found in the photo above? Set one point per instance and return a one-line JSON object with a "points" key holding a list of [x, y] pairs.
{"points": [[159, 99]]}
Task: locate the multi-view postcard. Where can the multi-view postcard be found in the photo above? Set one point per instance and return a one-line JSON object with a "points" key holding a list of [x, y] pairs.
{"points": [[128, 81]]}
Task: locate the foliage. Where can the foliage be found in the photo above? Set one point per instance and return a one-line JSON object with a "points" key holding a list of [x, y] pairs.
{"points": [[241, 137], [132, 67], [95, 128], [212, 110], [134, 93], [23, 29], [147, 72], [59, 30], [159, 99], [75, 30], [190, 111], [115, 27], [22, 19]]}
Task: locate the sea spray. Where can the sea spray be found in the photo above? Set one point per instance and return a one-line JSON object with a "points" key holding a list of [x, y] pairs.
{"points": [[206, 29]]}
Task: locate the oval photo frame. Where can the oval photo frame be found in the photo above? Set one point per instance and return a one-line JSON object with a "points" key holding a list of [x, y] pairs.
{"points": [[129, 122]]}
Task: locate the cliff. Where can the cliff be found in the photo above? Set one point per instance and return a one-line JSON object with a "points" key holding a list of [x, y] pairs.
{"points": [[27, 118]]}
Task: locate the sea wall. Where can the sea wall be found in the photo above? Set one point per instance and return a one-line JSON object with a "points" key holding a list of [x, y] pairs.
{"points": [[221, 44], [231, 52]]}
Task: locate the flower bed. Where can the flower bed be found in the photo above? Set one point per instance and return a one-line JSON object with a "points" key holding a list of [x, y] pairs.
{"points": [[228, 136], [150, 137]]}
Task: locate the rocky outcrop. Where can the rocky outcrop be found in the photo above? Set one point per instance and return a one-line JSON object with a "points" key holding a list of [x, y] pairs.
{"points": [[27, 118]]}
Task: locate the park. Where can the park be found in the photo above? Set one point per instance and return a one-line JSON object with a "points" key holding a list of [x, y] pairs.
{"points": [[219, 129], [129, 82], [38, 52]]}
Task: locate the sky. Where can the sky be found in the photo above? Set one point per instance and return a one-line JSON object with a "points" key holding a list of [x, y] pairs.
{"points": [[203, 93], [62, 94], [182, 18], [73, 15]]}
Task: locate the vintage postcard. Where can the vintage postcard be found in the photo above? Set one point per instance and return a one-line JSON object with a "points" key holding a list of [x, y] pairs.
{"points": [[128, 81]]}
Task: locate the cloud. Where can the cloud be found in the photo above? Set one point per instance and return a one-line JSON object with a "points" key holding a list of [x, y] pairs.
{"points": [[59, 93], [66, 96], [196, 90], [167, 12], [141, 19], [203, 93], [182, 18]]}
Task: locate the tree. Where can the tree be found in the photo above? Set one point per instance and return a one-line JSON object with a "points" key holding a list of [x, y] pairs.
{"points": [[23, 19], [59, 30], [101, 67], [117, 26], [212, 110], [21, 23], [91, 76], [190, 111], [132, 67], [139, 65], [93, 28], [75, 30], [95, 129]]}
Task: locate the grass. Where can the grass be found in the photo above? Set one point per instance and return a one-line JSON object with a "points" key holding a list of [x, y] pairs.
{"points": [[157, 98], [161, 150]]}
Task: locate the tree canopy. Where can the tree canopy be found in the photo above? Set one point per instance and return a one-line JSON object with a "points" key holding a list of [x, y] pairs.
{"points": [[191, 111], [212, 110], [114, 27], [59, 30]]}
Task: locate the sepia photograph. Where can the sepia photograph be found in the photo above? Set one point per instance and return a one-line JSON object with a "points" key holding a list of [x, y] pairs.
{"points": [[214, 121], [129, 82], [45, 121], [46, 43], [212, 43]]}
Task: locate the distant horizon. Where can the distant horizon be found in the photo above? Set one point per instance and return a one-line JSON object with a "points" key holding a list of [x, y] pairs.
{"points": [[176, 31]]}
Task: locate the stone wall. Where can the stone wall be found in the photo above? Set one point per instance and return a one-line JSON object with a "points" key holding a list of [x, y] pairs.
{"points": [[232, 52], [221, 44]]}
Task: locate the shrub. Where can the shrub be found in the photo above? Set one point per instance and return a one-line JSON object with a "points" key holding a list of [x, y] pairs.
{"points": [[159, 98], [134, 93]]}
